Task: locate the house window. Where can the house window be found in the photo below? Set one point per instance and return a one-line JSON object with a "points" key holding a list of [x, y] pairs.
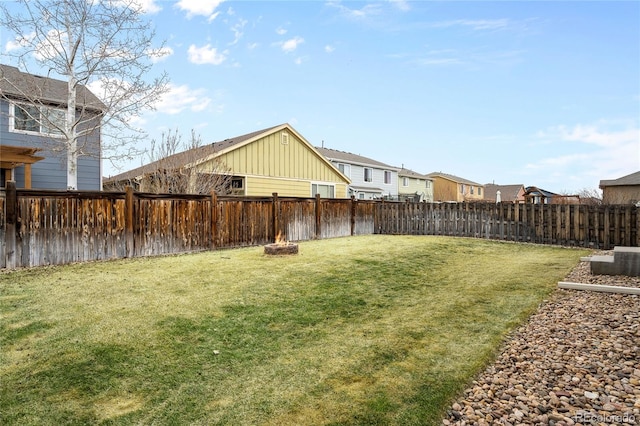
{"points": [[405, 181], [479, 191], [345, 169], [462, 188], [471, 189], [387, 177], [237, 183], [368, 174], [325, 191], [361, 196], [37, 119], [428, 184]]}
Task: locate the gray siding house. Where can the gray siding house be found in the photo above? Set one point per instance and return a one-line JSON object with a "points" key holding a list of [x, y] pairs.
{"points": [[370, 179], [27, 146]]}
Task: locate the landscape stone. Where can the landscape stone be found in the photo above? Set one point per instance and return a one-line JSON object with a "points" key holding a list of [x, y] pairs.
{"points": [[577, 357]]}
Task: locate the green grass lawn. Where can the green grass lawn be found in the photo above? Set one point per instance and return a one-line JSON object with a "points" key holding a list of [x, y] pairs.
{"points": [[351, 331]]}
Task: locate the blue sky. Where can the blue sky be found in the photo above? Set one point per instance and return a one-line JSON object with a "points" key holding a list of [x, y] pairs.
{"points": [[543, 93]]}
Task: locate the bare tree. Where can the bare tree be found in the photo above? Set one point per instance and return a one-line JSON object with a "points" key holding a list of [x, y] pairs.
{"points": [[591, 197], [178, 167], [102, 44]]}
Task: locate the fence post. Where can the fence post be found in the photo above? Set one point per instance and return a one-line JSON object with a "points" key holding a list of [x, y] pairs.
{"points": [[275, 211], [214, 220], [318, 212], [353, 215], [11, 230], [128, 222]]}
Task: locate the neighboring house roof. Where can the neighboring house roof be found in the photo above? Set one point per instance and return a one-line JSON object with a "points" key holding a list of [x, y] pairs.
{"points": [[507, 192], [632, 179], [18, 85], [535, 190], [453, 178], [410, 173], [347, 157], [208, 152]]}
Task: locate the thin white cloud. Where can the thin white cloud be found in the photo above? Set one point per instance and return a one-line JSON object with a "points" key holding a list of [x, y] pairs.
{"points": [[291, 44], [206, 55], [433, 61], [329, 49], [474, 24], [401, 5], [200, 8], [281, 31], [181, 98], [601, 150], [471, 59], [252, 46], [149, 6], [19, 43], [362, 13], [237, 30]]}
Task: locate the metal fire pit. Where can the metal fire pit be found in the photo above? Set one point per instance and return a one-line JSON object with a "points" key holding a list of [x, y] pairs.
{"points": [[281, 248]]}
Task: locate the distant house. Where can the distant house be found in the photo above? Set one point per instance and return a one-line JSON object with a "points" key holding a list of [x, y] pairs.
{"points": [[535, 195], [26, 139], [277, 159], [370, 179], [414, 186], [508, 193], [624, 190], [452, 188]]}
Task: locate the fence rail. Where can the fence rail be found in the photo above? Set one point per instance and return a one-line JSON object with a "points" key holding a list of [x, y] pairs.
{"points": [[57, 227]]}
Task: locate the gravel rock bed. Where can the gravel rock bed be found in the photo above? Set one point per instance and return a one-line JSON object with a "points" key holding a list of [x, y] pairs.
{"points": [[575, 362]]}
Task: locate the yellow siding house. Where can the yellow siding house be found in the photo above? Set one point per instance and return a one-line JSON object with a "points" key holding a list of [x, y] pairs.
{"points": [[448, 187], [276, 159], [414, 186]]}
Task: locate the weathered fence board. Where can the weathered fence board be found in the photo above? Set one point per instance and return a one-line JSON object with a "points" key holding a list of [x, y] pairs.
{"points": [[57, 227]]}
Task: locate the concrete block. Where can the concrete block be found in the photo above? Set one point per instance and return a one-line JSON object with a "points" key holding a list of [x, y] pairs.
{"points": [[603, 265], [629, 260], [625, 261]]}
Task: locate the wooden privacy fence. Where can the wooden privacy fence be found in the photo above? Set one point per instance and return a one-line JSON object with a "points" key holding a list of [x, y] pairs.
{"points": [[57, 227], [599, 227]]}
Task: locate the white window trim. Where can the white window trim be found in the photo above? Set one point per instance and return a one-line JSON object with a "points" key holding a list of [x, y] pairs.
{"points": [[12, 121], [324, 184], [345, 166], [364, 174], [384, 177], [405, 182]]}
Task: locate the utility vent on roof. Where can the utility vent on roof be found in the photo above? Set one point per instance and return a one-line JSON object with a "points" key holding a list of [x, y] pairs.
{"points": [[284, 138]]}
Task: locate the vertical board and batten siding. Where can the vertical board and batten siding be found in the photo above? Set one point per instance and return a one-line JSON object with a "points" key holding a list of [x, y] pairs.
{"points": [[270, 166], [56, 227]]}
